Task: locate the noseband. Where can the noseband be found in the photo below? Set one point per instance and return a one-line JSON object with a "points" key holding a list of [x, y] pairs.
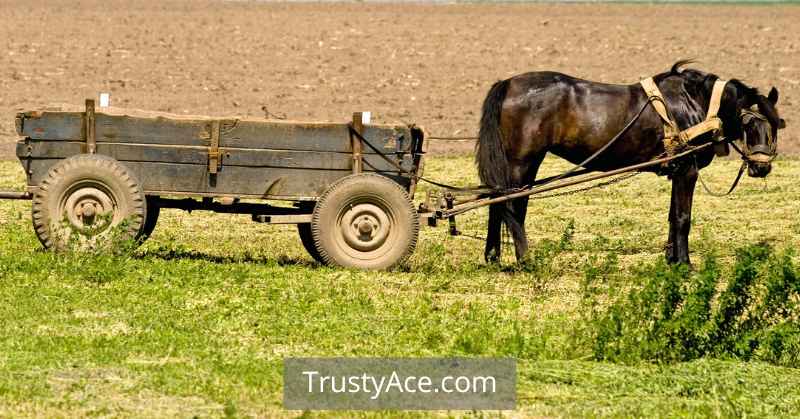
{"points": [[760, 153]]}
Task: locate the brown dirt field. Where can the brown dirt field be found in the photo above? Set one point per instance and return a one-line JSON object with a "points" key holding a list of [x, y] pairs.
{"points": [[428, 64]]}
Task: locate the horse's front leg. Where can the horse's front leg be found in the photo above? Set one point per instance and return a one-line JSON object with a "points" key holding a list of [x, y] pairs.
{"points": [[680, 214]]}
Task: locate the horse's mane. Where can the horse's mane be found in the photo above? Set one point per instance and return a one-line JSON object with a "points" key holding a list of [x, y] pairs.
{"points": [[701, 78]]}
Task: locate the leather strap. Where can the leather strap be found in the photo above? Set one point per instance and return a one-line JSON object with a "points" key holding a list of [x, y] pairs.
{"points": [[716, 98], [673, 137], [709, 125], [659, 104]]}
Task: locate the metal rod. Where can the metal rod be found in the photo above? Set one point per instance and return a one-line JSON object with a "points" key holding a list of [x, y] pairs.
{"points": [[460, 209], [208, 204], [358, 126], [561, 176], [15, 195], [452, 220]]}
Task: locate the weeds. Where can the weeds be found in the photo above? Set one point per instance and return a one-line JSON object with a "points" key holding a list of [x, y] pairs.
{"points": [[673, 314], [541, 257]]}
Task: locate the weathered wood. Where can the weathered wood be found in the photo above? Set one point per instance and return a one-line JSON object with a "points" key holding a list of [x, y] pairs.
{"points": [[213, 148], [419, 149], [216, 157], [274, 183], [199, 155], [235, 133]]}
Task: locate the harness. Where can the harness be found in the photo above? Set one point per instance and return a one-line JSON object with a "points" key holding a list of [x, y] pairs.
{"points": [[674, 138], [759, 153]]}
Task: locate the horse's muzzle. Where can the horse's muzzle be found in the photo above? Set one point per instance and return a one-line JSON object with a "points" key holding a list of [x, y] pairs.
{"points": [[757, 167]]}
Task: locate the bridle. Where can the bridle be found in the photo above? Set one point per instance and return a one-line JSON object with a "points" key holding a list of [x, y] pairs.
{"points": [[760, 153], [676, 139]]}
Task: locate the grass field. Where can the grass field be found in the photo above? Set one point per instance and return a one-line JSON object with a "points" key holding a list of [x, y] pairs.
{"points": [[197, 321]]}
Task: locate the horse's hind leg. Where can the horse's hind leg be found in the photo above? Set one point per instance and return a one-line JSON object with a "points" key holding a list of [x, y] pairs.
{"points": [[493, 240], [520, 210], [522, 175]]}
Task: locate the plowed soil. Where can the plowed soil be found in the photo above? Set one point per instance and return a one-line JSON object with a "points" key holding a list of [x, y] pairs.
{"points": [[423, 63]]}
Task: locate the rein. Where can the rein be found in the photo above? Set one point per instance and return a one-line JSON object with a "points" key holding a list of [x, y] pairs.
{"points": [[674, 141], [484, 190]]}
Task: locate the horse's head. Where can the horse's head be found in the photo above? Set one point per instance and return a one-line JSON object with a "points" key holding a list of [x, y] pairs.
{"points": [[759, 126], [745, 113]]}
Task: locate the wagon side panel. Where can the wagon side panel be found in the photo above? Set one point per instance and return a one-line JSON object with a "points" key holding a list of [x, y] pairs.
{"points": [[256, 159]]}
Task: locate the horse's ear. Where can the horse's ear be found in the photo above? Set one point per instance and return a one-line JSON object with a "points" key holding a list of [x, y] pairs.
{"points": [[773, 96], [782, 124]]}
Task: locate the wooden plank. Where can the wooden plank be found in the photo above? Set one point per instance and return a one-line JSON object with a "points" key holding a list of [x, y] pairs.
{"points": [[277, 183], [314, 137], [197, 132], [48, 125], [122, 129], [199, 155]]}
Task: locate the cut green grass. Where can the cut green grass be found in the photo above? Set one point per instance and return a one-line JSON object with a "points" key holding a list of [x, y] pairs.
{"points": [[198, 320]]}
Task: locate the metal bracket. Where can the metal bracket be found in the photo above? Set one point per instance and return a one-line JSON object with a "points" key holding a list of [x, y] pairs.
{"points": [[426, 206], [89, 127], [449, 200], [19, 123], [214, 157], [358, 126]]}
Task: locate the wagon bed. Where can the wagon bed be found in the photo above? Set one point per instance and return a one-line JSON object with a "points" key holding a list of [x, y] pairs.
{"points": [[100, 178], [175, 154]]}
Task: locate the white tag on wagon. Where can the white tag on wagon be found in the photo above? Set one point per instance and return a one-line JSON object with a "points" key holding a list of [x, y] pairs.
{"points": [[105, 100], [366, 117]]}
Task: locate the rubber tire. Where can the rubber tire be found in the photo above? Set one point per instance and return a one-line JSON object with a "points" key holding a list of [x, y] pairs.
{"points": [[150, 220], [304, 230], [120, 184], [375, 190], [307, 238]]}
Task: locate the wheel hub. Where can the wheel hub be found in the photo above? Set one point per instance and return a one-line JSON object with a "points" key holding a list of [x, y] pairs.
{"points": [[365, 227], [87, 208]]}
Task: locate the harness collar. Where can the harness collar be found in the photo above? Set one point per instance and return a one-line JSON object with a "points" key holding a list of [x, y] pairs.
{"points": [[674, 138]]}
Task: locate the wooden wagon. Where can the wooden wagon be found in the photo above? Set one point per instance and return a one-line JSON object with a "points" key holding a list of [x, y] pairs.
{"points": [[98, 178]]}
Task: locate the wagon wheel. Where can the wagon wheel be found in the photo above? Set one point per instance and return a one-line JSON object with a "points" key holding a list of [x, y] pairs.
{"points": [[88, 202], [365, 221], [150, 220], [304, 229], [308, 241]]}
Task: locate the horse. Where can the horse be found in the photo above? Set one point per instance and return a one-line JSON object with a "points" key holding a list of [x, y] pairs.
{"points": [[528, 115]]}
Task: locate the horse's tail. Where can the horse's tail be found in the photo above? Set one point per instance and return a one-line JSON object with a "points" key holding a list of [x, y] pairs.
{"points": [[490, 155]]}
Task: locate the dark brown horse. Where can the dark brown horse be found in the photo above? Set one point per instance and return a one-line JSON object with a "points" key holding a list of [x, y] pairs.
{"points": [[531, 114]]}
